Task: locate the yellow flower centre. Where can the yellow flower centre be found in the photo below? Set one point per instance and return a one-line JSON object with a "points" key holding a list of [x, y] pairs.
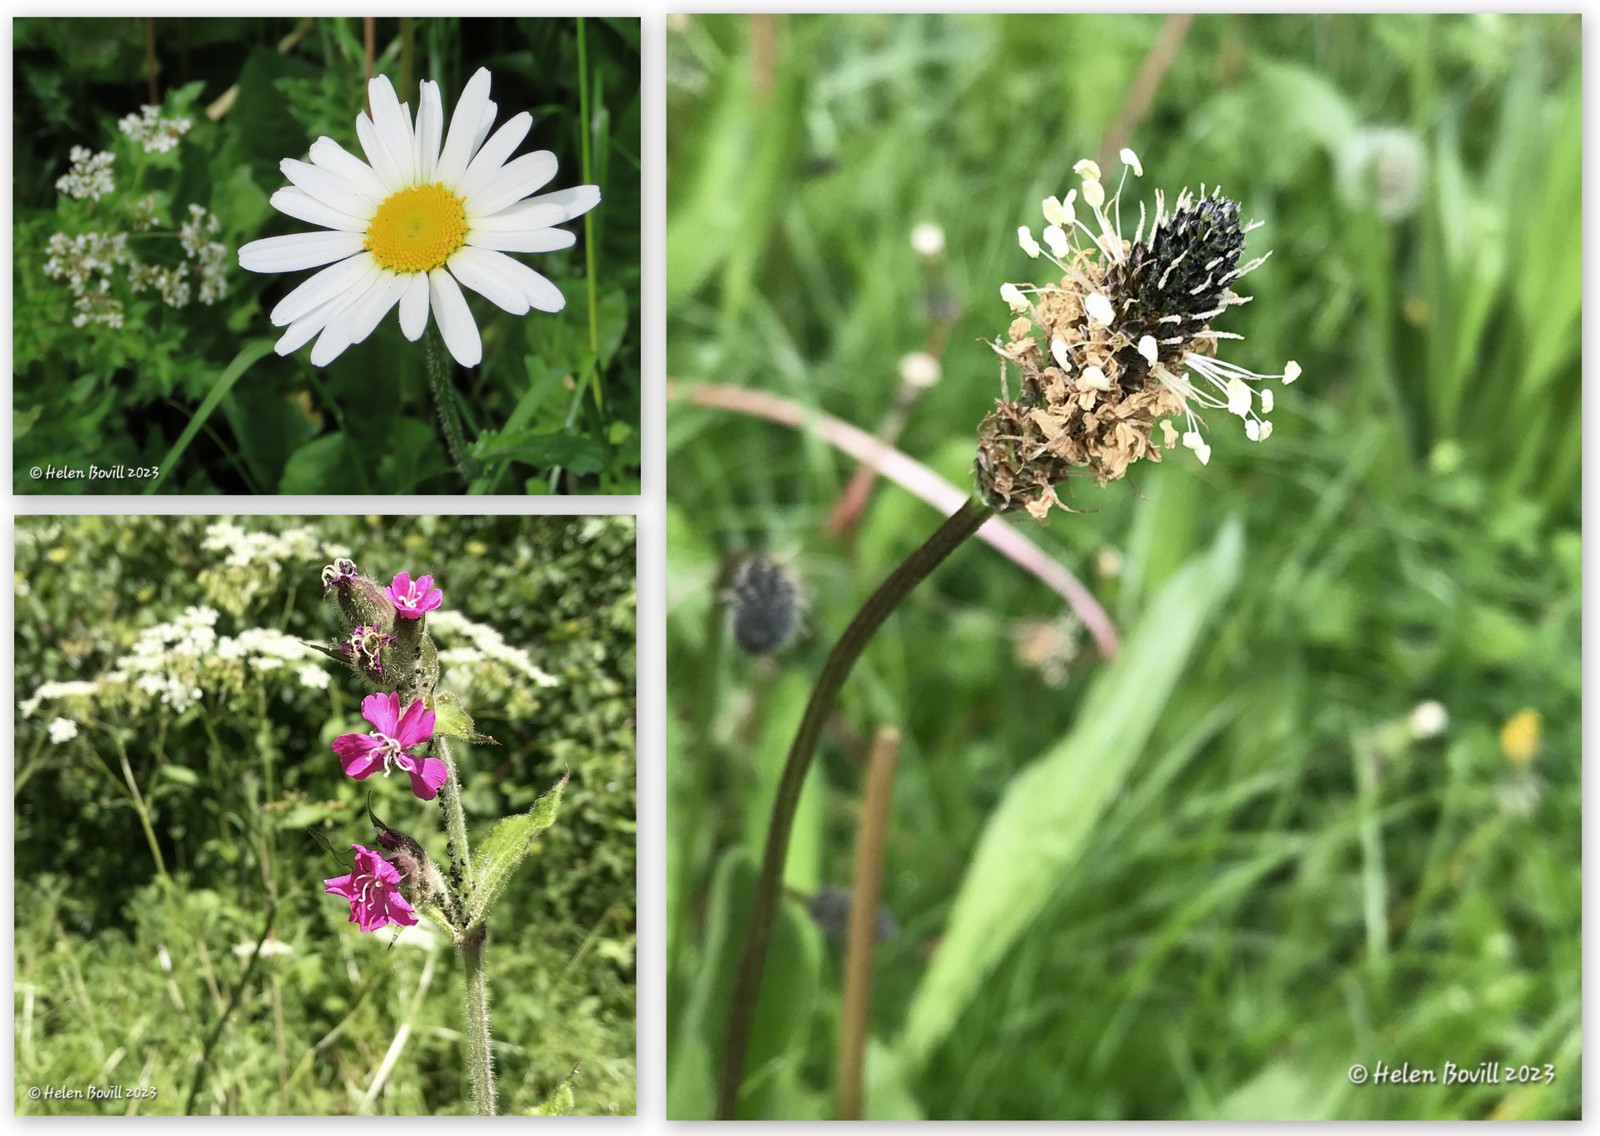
{"points": [[417, 229]]}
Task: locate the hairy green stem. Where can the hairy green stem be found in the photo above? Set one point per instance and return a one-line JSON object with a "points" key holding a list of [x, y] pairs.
{"points": [[480, 1061], [769, 888], [445, 407], [455, 819]]}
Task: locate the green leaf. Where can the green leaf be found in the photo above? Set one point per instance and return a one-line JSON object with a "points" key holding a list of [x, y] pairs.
{"points": [[558, 1103], [320, 465], [242, 362], [452, 720], [570, 451], [508, 842], [1047, 818]]}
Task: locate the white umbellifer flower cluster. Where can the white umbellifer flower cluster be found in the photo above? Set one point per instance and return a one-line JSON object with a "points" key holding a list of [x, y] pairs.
{"points": [[87, 263], [89, 175], [62, 730], [57, 692], [253, 560], [155, 134], [490, 660], [210, 256], [267, 549], [1152, 298], [165, 660], [173, 664]]}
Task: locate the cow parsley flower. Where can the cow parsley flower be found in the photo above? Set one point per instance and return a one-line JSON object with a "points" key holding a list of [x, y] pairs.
{"points": [[428, 211], [362, 755], [1121, 342], [373, 889]]}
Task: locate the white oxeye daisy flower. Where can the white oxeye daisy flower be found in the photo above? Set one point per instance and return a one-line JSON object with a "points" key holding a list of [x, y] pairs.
{"points": [[429, 210]]}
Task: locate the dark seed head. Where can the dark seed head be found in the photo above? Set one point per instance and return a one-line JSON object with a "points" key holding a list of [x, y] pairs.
{"points": [[1184, 272], [765, 601]]}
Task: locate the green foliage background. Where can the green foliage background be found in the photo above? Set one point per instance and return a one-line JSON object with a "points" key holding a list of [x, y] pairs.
{"points": [[119, 976], [553, 392], [1207, 879]]}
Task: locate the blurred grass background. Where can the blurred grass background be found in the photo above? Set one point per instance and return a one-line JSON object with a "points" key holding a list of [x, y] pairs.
{"points": [[553, 391], [132, 943], [1206, 879]]}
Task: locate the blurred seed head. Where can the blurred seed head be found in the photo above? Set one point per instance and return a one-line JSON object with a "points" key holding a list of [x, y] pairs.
{"points": [[1383, 168], [765, 603], [1428, 720], [927, 239], [830, 910], [920, 370]]}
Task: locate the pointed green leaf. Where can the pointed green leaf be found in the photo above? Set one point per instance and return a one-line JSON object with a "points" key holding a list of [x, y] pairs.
{"points": [[508, 842], [452, 720]]}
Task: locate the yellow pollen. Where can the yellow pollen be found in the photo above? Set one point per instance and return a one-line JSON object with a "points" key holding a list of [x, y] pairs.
{"points": [[417, 229]]}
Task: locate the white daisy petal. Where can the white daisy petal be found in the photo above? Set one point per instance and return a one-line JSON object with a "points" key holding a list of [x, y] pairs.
{"points": [[384, 295], [383, 164], [414, 306], [330, 189], [458, 140], [494, 153], [529, 240], [324, 287], [394, 129], [525, 216], [336, 160], [298, 251], [336, 320], [473, 268], [540, 292], [430, 130], [512, 182], [315, 318], [485, 124], [576, 201], [454, 318], [301, 205]]}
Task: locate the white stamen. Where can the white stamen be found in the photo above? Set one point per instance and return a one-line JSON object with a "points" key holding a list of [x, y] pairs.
{"points": [[1099, 308], [1094, 194], [1147, 348], [1291, 372], [1058, 351], [1266, 401], [1025, 239], [1057, 240], [1053, 212], [1087, 168], [1131, 160], [1238, 397], [1012, 295]]}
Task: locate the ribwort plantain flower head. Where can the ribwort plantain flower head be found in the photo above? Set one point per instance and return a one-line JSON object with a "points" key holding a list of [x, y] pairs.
{"points": [[1120, 343]]}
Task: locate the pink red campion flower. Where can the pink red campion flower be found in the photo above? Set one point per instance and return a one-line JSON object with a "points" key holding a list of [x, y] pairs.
{"points": [[413, 597], [373, 891], [362, 755]]}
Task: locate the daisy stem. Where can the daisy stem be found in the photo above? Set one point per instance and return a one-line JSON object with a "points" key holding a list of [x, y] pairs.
{"points": [[769, 887], [480, 1059], [444, 405]]}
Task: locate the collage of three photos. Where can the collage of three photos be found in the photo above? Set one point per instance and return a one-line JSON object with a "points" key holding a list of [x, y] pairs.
{"points": [[1119, 663]]}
